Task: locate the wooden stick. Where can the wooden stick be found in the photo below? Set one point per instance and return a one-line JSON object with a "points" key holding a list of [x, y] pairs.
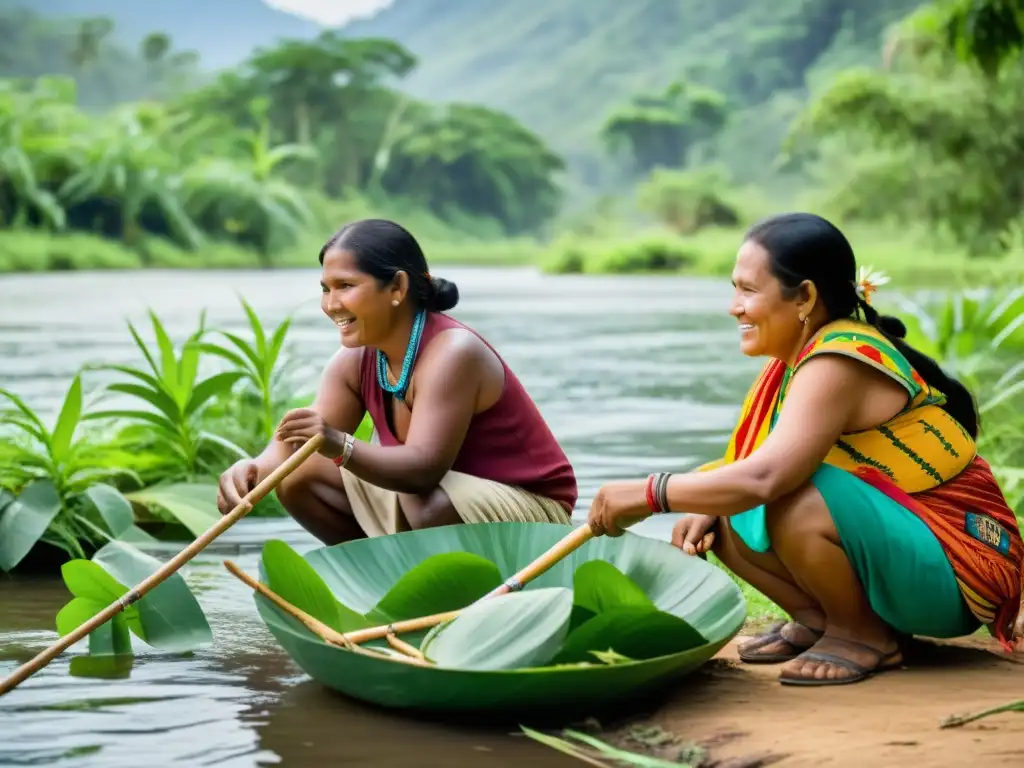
{"points": [[327, 634], [570, 543], [135, 594], [313, 624], [403, 647]]}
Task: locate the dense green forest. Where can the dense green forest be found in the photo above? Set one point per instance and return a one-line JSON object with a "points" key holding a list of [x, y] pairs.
{"points": [[224, 33], [482, 126], [136, 143], [567, 68]]}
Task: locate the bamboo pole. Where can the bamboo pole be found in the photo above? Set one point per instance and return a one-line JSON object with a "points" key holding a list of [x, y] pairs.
{"points": [[327, 634], [403, 647], [557, 552], [137, 592]]}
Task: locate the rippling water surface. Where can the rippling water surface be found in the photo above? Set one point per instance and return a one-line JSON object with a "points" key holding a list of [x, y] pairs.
{"points": [[634, 374]]}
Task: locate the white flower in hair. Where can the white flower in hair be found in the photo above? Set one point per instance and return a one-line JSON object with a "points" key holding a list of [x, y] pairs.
{"points": [[868, 281]]}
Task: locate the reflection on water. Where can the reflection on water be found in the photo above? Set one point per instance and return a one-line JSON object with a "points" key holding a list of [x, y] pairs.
{"points": [[633, 374]]}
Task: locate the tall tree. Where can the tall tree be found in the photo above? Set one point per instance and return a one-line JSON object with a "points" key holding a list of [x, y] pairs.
{"points": [[666, 129]]}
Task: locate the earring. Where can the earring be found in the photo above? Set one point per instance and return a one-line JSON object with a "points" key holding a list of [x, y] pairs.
{"points": [[394, 302], [802, 319]]}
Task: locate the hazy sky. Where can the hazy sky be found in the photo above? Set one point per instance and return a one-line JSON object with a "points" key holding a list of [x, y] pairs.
{"points": [[331, 12]]}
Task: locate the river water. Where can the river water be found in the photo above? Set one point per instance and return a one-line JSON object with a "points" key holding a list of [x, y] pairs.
{"points": [[634, 374]]}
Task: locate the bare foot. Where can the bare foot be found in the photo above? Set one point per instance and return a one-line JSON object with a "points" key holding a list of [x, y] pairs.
{"points": [[781, 642], [834, 661]]}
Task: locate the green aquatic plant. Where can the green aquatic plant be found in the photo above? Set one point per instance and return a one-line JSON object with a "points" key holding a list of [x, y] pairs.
{"points": [[262, 364], [173, 397], [168, 617], [56, 483], [613, 617]]}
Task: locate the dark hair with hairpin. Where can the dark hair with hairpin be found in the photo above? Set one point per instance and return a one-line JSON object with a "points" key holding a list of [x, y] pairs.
{"points": [[803, 246]]}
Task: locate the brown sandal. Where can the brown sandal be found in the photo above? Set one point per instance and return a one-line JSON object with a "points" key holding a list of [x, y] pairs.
{"points": [[859, 672], [772, 637]]}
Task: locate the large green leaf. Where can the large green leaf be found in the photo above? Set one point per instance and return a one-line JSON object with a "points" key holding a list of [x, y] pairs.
{"points": [[612, 613], [67, 421], [6, 498], [634, 632], [439, 584], [599, 586], [170, 615], [360, 573], [194, 505], [88, 581], [25, 520], [510, 631], [210, 388], [111, 638], [113, 507], [289, 575]]}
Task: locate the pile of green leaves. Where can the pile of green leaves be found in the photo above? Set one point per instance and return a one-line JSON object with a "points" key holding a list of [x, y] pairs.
{"points": [[606, 618]]}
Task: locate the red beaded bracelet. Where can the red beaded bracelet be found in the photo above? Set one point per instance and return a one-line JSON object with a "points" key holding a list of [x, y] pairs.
{"points": [[652, 503], [656, 492]]}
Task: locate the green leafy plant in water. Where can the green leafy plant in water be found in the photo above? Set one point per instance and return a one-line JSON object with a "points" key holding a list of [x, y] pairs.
{"points": [[263, 367], [174, 396], [173, 451], [270, 376], [56, 483], [168, 617]]}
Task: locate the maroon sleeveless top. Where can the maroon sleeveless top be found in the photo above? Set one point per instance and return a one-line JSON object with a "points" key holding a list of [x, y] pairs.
{"points": [[509, 443]]}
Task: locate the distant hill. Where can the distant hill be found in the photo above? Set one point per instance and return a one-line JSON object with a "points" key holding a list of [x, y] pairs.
{"points": [[562, 65], [223, 32]]}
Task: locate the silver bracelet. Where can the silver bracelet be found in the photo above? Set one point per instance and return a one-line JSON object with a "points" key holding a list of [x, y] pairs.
{"points": [[346, 451]]}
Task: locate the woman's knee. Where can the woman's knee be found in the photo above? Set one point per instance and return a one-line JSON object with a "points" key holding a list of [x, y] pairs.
{"points": [[799, 515], [738, 557], [317, 479], [430, 510]]}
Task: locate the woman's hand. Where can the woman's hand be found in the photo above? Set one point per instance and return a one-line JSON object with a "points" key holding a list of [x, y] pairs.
{"points": [[617, 506], [693, 534], [235, 482], [301, 424]]}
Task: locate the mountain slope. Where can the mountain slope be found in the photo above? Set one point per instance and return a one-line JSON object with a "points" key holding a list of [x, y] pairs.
{"points": [[563, 66], [223, 32]]}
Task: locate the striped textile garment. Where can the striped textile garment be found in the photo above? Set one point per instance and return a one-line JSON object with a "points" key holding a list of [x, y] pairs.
{"points": [[923, 459]]}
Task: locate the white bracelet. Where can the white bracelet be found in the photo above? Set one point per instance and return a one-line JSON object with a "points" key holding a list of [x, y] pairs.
{"points": [[346, 451]]}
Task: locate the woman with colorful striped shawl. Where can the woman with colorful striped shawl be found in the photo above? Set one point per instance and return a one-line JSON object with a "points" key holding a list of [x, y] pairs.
{"points": [[851, 492]]}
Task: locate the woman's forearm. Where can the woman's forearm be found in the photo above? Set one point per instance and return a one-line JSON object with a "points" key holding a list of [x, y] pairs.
{"points": [[401, 468], [720, 492]]}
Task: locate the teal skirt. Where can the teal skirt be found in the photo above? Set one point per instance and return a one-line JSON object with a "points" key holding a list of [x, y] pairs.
{"points": [[901, 565]]}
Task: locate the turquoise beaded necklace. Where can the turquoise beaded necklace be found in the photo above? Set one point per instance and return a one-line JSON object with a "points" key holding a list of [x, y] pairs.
{"points": [[400, 387]]}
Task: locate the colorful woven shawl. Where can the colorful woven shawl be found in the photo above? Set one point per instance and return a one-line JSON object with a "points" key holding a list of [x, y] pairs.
{"points": [[922, 458]]}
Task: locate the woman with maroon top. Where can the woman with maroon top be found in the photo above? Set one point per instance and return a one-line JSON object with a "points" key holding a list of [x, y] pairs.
{"points": [[459, 439]]}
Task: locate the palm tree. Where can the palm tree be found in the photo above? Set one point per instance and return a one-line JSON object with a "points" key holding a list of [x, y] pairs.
{"points": [[245, 196], [34, 125], [126, 160]]}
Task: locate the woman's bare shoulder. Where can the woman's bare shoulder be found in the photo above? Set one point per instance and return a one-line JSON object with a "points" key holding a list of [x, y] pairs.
{"points": [[461, 351]]}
